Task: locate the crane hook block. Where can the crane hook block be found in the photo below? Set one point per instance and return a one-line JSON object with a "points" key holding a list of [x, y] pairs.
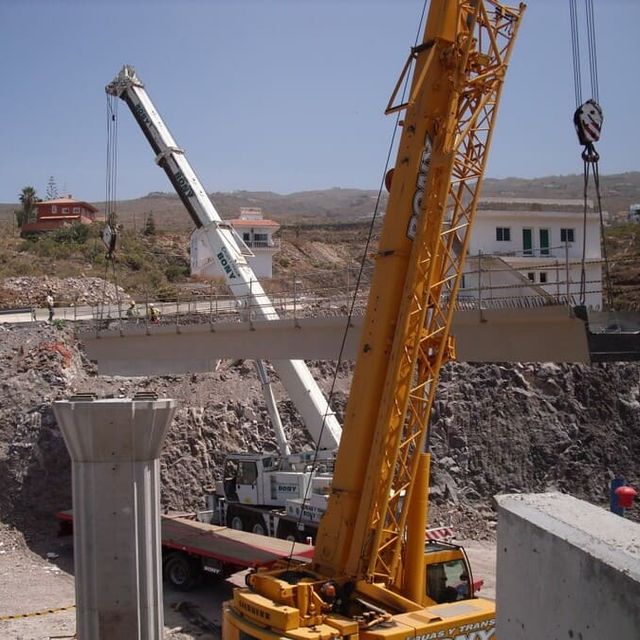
{"points": [[109, 237], [587, 120]]}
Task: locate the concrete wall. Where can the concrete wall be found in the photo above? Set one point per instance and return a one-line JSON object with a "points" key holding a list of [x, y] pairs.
{"points": [[261, 262], [566, 569]]}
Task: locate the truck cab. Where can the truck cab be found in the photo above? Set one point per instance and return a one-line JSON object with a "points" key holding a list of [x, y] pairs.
{"points": [[259, 479], [272, 495]]}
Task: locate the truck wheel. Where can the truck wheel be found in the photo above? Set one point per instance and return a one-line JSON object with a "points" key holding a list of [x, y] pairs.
{"points": [[181, 571], [259, 528], [237, 523], [287, 531]]}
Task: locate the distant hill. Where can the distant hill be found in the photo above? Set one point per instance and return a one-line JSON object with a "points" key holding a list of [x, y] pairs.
{"points": [[326, 206], [347, 205], [618, 190]]}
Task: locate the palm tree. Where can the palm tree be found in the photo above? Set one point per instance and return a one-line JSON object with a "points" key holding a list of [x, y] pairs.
{"points": [[28, 199]]}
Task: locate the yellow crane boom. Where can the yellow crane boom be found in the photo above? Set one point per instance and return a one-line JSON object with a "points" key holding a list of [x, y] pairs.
{"points": [[372, 575], [457, 79]]}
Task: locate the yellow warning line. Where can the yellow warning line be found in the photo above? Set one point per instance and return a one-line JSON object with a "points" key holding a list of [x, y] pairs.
{"points": [[34, 614]]}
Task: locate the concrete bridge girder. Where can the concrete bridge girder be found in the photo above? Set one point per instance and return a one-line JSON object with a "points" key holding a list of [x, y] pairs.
{"points": [[544, 334]]}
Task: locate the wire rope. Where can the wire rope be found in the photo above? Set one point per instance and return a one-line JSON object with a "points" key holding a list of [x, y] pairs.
{"points": [[111, 206], [607, 269], [593, 54], [575, 47], [588, 122]]}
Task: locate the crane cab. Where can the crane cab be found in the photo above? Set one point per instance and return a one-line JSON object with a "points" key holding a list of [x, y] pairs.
{"points": [[448, 574]]}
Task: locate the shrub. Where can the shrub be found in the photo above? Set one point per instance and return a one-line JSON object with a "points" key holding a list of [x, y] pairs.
{"points": [[134, 260], [176, 272], [166, 293], [76, 233], [149, 226]]}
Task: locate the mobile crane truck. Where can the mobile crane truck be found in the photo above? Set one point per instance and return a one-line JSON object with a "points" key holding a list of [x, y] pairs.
{"points": [[282, 495], [373, 575]]}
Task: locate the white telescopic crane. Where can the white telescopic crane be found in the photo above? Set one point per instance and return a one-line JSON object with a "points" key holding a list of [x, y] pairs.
{"points": [[220, 243]]}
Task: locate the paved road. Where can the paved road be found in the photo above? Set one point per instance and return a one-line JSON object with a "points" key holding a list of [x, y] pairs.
{"points": [[215, 308], [111, 311]]}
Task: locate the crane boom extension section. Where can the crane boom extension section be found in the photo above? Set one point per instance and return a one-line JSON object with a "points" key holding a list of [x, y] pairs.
{"points": [[227, 248], [372, 575]]}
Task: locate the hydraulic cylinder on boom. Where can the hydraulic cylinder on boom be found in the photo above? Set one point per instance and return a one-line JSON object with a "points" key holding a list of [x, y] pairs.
{"points": [[373, 574]]}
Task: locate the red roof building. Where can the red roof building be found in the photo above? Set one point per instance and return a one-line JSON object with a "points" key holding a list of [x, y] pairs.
{"points": [[52, 214]]}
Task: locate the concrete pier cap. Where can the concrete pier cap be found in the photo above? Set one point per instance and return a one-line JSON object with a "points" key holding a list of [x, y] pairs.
{"points": [[565, 569], [93, 428], [115, 444]]}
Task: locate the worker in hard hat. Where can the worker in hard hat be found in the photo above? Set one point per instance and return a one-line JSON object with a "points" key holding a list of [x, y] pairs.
{"points": [[132, 311], [154, 313]]}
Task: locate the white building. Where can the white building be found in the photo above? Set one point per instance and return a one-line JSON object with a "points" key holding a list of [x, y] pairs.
{"points": [[257, 233], [533, 248], [250, 228]]}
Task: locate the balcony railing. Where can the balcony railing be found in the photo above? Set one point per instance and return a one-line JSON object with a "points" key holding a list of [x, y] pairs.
{"points": [[563, 251], [263, 244]]}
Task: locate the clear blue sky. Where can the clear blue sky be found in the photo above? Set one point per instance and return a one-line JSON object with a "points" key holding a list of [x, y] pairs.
{"points": [[280, 95]]}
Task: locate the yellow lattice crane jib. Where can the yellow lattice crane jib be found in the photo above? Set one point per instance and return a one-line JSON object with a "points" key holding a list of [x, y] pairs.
{"points": [[369, 567], [458, 72]]}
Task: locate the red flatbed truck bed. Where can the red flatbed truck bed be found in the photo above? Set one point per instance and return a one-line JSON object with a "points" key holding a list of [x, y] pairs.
{"points": [[190, 548]]}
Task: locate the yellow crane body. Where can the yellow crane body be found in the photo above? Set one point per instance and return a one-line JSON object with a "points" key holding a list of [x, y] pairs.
{"points": [[373, 573]]}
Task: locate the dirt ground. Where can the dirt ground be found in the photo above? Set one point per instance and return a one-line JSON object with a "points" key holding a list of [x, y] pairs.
{"points": [[44, 588]]}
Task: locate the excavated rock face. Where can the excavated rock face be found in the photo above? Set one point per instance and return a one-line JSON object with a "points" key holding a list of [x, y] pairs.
{"points": [[530, 428], [38, 365], [495, 428], [218, 413]]}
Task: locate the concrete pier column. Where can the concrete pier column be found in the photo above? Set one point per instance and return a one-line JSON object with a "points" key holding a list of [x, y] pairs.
{"points": [[114, 446]]}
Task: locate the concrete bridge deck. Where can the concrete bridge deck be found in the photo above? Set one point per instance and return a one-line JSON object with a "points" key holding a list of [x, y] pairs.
{"points": [[543, 334]]}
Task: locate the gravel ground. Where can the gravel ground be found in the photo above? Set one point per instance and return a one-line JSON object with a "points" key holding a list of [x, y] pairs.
{"points": [[37, 593]]}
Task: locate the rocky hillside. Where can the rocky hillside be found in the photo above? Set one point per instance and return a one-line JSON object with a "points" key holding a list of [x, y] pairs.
{"points": [[496, 428], [322, 258], [348, 205]]}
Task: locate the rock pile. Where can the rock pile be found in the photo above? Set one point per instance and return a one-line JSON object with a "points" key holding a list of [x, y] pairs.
{"points": [[31, 291]]}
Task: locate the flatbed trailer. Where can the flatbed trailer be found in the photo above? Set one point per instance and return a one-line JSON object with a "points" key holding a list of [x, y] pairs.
{"points": [[191, 548]]}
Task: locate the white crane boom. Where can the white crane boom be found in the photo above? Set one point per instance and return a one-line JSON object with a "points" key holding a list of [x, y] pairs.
{"points": [[223, 244]]}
